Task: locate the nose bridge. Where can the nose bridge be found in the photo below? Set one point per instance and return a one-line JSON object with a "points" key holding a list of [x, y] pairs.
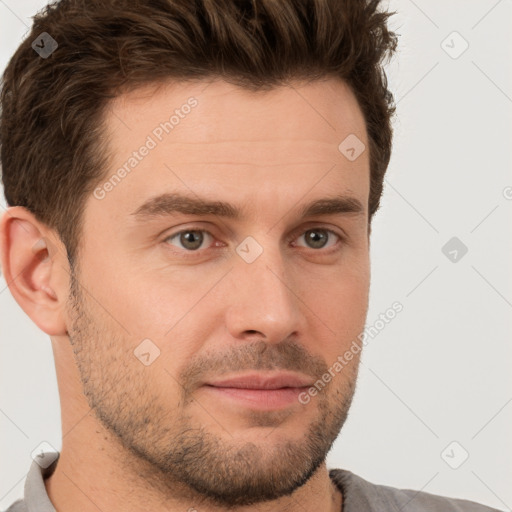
{"points": [[263, 297]]}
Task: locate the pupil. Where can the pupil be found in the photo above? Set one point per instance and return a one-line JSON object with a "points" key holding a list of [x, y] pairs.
{"points": [[195, 238], [314, 237]]}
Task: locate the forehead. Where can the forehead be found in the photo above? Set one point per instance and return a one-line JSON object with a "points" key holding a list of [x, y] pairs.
{"points": [[223, 111], [218, 139]]}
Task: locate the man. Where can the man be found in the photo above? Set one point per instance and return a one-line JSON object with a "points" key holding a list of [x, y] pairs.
{"points": [[191, 188]]}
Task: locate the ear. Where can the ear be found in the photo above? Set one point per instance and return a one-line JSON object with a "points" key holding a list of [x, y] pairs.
{"points": [[35, 267]]}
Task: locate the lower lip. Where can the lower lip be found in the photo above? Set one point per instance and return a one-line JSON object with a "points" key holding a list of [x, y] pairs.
{"points": [[262, 399]]}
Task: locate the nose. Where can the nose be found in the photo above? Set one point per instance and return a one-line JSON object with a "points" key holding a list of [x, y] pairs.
{"points": [[264, 300]]}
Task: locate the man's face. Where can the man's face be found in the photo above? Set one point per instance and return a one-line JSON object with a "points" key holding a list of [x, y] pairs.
{"points": [[218, 296]]}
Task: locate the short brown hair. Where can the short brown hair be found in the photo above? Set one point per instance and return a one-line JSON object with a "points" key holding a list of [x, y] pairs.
{"points": [[53, 144]]}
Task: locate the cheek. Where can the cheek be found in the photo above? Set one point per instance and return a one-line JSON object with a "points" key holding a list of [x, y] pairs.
{"points": [[339, 311], [144, 304], [174, 315], [343, 298]]}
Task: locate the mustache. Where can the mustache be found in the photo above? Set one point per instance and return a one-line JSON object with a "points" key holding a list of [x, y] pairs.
{"points": [[259, 355]]}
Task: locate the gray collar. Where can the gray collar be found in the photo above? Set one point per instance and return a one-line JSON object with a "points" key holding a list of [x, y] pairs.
{"points": [[36, 498]]}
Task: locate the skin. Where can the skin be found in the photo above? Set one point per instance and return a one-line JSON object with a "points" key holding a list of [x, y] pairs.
{"points": [[139, 437]]}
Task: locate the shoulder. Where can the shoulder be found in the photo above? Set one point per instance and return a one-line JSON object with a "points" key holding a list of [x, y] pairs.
{"points": [[359, 494], [18, 506]]}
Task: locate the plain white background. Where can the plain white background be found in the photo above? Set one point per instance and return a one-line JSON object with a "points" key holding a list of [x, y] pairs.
{"points": [[439, 372]]}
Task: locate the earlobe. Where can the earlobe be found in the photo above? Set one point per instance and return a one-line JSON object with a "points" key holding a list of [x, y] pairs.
{"points": [[33, 266]]}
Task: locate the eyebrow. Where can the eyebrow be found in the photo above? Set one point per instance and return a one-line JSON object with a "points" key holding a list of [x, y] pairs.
{"points": [[171, 203]]}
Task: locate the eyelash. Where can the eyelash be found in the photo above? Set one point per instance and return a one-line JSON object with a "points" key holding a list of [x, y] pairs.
{"points": [[193, 253]]}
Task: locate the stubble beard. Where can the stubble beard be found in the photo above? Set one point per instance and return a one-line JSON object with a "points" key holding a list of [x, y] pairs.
{"points": [[179, 456]]}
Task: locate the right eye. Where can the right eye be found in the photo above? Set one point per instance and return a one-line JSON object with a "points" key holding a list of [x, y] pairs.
{"points": [[190, 239]]}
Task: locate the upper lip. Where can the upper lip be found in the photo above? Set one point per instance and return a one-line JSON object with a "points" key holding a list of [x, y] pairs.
{"points": [[264, 381]]}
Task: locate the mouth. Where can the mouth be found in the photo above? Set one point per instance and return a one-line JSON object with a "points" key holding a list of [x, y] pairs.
{"points": [[261, 391]]}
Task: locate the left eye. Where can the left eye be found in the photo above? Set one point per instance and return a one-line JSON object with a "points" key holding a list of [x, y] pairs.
{"points": [[193, 239], [317, 237]]}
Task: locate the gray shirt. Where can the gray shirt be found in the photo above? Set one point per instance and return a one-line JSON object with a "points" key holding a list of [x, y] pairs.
{"points": [[358, 496]]}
